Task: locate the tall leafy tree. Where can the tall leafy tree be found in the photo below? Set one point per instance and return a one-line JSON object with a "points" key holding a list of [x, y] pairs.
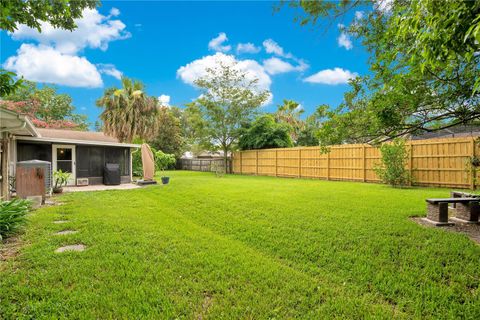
{"points": [[45, 106], [128, 112], [308, 136], [169, 137], [265, 133], [58, 13], [424, 68], [229, 98]]}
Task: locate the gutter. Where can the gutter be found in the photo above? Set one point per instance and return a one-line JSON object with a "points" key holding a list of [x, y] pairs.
{"points": [[78, 142], [22, 126]]}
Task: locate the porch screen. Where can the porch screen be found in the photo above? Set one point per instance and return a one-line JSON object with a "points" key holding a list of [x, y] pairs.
{"points": [[91, 159]]}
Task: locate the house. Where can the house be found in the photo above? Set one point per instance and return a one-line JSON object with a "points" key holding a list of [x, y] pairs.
{"points": [[452, 132], [83, 154]]}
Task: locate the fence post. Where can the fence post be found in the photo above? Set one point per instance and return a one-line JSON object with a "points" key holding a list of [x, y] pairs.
{"points": [[299, 163], [256, 162], [241, 164], [364, 160], [410, 164], [328, 164], [474, 171], [276, 163]]}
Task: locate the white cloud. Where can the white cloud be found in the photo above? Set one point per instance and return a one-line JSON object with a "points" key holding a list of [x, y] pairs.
{"points": [[94, 31], [247, 48], [45, 64], [114, 12], [383, 5], [164, 100], [331, 76], [56, 58], [197, 69], [110, 70], [274, 48], [275, 66], [345, 41], [216, 44], [359, 15]]}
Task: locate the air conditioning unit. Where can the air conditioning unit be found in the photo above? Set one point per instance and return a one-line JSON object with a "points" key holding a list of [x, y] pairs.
{"points": [[82, 182]]}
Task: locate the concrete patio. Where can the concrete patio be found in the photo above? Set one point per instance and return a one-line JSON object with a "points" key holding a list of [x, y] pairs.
{"points": [[101, 187]]}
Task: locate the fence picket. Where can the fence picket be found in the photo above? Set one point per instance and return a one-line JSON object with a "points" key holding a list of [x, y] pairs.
{"points": [[435, 162]]}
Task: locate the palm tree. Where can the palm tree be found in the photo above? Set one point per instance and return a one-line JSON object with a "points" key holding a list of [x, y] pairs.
{"points": [[129, 112], [289, 112]]}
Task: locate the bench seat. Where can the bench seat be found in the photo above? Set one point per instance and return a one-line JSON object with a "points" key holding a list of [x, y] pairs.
{"points": [[452, 200], [466, 210]]}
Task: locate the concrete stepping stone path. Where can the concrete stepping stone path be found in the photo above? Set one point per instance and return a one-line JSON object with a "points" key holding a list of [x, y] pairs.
{"points": [[74, 247], [64, 232], [60, 221]]}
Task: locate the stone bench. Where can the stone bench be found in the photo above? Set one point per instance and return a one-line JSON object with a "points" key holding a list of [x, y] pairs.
{"points": [[466, 210], [462, 194]]}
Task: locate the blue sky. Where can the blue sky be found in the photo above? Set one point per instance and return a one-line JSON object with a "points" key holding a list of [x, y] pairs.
{"points": [[152, 41]]}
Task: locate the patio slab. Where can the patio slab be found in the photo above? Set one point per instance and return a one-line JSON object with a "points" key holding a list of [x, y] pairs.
{"points": [[101, 187]]}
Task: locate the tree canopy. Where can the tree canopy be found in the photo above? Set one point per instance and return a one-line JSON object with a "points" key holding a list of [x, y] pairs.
{"points": [[45, 106], [229, 98], [128, 112], [58, 13], [169, 137], [424, 68], [264, 133]]}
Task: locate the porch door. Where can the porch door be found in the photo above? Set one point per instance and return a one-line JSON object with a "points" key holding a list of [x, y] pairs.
{"points": [[63, 158]]}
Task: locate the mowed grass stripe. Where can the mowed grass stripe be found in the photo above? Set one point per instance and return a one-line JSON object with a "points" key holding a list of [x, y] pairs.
{"points": [[243, 247]]}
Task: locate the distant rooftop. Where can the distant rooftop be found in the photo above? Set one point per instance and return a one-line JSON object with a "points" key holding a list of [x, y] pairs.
{"points": [[453, 132]]}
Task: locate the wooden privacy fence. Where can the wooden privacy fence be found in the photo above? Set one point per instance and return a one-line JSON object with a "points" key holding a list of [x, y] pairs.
{"points": [[439, 162], [209, 165]]}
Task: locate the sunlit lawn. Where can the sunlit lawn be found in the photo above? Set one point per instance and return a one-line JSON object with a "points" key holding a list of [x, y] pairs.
{"points": [[242, 247]]}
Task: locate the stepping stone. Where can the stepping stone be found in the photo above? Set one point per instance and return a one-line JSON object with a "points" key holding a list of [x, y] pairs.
{"points": [[61, 233], [60, 221], [75, 247]]}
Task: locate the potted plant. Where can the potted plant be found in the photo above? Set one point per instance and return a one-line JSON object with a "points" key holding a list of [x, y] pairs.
{"points": [[61, 179], [164, 161]]}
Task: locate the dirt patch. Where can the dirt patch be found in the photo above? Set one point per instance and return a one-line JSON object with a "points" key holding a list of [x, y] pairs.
{"points": [[9, 248], [206, 303], [472, 230]]}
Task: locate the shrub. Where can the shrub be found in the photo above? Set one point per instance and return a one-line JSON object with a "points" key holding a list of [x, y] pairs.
{"points": [[392, 169], [137, 168], [12, 216], [164, 161], [60, 179]]}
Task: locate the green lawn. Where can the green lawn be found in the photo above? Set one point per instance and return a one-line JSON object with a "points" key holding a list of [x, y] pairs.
{"points": [[242, 247]]}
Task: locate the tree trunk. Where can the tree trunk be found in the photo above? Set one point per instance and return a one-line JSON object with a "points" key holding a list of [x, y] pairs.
{"points": [[225, 159]]}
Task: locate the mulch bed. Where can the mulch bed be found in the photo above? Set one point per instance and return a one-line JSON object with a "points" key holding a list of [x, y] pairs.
{"points": [[469, 229]]}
